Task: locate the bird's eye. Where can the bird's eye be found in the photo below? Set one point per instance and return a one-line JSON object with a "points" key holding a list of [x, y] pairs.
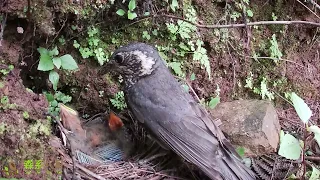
{"points": [[119, 58]]}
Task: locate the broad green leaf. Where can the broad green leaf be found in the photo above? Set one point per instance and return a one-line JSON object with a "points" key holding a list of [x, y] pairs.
{"points": [[174, 4], [240, 150], [120, 12], [57, 62], [68, 63], [42, 50], [131, 15], [250, 13], [290, 147], [301, 108], [316, 131], [315, 174], [54, 79], [54, 52], [45, 63], [213, 102], [192, 77], [132, 5]]}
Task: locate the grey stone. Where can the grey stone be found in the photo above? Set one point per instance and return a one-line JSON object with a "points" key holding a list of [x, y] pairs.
{"points": [[252, 124]]}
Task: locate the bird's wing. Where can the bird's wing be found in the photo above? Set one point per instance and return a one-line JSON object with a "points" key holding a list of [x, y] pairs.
{"points": [[214, 129], [190, 139]]}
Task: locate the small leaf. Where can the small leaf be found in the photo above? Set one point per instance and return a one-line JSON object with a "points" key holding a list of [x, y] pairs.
{"points": [[54, 79], [176, 67], [120, 12], [49, 97], [54, 103], [54, 51], [132, 5], [132, 15], [174, 4], [185, 87], [192, 77], [301, 108], [315, 174], [57, 62], [68, 63], [45, 63], [146, 14], [214, 102], [240, 151], [250, 13], [289, 147], [316, 131]]}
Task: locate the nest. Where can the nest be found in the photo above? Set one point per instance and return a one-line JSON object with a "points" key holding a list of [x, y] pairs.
{"points": [[118, 147], [108, 159]]}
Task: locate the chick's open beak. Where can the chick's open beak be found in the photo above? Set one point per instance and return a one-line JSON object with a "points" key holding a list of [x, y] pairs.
{"points": [[108, 67]]}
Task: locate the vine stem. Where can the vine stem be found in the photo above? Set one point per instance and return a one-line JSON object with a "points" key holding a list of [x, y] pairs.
{"points": [[303, 152]]}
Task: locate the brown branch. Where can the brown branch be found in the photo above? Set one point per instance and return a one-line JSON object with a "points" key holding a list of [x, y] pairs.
{"points": [[57, 34], [308, 9], [314, 4], [313, 158], [241, 25], [2, 25], [278, 59]]}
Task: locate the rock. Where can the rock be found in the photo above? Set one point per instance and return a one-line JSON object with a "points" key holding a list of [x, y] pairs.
{"points": [[252, 124]]}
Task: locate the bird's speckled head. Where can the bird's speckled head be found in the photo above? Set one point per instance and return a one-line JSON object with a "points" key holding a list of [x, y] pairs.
{"points": [[135, 60]]}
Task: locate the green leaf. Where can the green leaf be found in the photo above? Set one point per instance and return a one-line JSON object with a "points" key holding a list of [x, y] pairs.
{"points": [[42, 50], [76, 44], [54, 103], [250, 13], [54, 79], [214, 102], [301, 108], [240, 150], [132, 5], [176, 67], [185, 87], [174, 4], [54, 52], [146, 14], [57, 62], [120, 12], [49, 97], [316, 131], [315, 174], [131, 15], [68, 63], [45, 63], [289, 147], [192, 77]]}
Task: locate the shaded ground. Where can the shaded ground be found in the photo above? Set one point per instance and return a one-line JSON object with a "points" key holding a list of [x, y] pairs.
{"points": [[229, 53]]}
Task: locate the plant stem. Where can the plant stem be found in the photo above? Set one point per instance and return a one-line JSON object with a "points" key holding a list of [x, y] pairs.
{"points": [[303, 151]]}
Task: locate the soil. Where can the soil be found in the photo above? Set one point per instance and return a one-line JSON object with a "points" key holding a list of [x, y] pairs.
{"points": [[45, 22]]}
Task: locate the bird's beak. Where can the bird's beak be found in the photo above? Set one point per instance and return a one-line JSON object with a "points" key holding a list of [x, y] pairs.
{"points": [[108, 67]]}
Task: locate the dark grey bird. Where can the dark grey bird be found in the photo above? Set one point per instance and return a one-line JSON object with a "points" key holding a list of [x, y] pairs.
{"points": [[157, 99]]}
